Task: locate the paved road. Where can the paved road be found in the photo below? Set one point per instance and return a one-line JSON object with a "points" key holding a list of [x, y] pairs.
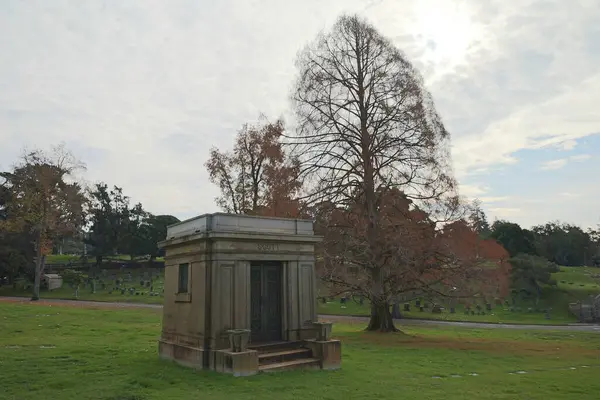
{"points": [[332, 318]]}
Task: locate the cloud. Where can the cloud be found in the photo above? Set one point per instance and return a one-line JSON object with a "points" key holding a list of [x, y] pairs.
{"points": [[554, 164], [473, 191], [492, 199], [567, 145], [580, 157], [141, 90], [561, 162], [570, 195], [505, 212]]}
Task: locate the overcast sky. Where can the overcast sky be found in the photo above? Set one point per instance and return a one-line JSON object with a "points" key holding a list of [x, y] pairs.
{"points": [[140, 90]]}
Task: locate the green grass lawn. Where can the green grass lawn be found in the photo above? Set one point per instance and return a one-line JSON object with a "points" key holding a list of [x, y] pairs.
{"points": [[85, 293], [580, 282], [67, 258], [499, 314], [574, 283], [67, 353]]}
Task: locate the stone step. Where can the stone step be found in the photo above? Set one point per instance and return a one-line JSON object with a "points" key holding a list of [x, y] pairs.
{"points": [[283, 355], [302, 363], [275, 346]]}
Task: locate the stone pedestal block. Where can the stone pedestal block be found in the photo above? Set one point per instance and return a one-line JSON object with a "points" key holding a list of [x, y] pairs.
{"points": [[184, 355], [328, 352], [243, 363]]}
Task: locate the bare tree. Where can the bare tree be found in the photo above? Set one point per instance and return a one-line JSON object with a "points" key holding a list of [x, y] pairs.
{"points": [[366, 126], [45, 201]]}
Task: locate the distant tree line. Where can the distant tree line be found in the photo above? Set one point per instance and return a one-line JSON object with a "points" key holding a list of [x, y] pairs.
{"points": [[558, 242], [538, 252], [42, 207]]}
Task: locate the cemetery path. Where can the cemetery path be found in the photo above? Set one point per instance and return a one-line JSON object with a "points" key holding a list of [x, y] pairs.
{"points": [[332, 318]]}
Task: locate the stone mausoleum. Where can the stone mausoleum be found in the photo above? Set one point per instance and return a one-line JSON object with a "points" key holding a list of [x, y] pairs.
{"points": [[240, 296]]}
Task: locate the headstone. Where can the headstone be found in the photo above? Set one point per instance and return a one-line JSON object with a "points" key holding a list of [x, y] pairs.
{"points": [[452, 310], [396, 311], [488, 306], [361, 301], [418, 303], [407, 307]]}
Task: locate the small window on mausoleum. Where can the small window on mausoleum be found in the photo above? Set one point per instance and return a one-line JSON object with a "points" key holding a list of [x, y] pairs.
{"points": [[183, 278]]}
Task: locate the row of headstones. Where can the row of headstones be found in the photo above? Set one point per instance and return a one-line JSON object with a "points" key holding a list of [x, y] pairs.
{"points": [[437, 309], [147, 287], [144, 285], [422, 306], [146, 275], [132, 291]]}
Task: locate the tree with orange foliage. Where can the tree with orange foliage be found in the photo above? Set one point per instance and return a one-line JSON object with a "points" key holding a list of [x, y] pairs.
{"points": [[43, 202], [411, 256], [257, 177], [366, 125]]}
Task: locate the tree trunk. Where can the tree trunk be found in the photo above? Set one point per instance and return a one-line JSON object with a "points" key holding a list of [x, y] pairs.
{"points": [[381, 319], [396, 310], [37, 273], [94, 268]]}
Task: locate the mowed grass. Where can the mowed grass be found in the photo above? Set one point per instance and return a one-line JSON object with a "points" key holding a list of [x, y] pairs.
{"points": [[574, 284], [66, 293], [552, 298], [62, 352], [579, 282], [68, 258]]}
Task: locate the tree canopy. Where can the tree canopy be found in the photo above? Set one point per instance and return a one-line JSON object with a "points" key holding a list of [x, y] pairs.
{"points": [[117, 228], [257, 177], [369, 141], [43, 201]]}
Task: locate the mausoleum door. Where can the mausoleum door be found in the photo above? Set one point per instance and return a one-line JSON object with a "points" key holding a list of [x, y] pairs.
{"points": [[266, 301]]}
